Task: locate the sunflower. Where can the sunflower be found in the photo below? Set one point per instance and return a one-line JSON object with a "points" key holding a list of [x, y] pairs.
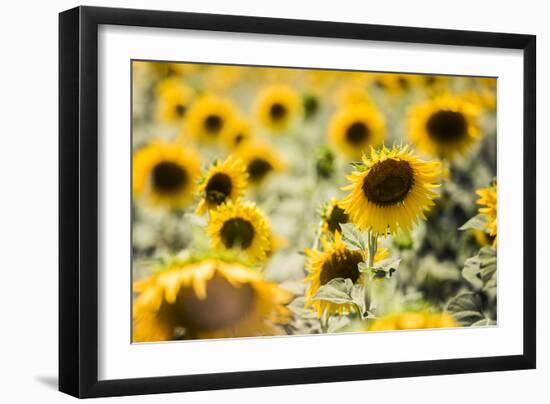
{"points": [[395, 84], [172, 100], [278, 107], [390, 190], [240, 226], [333, 216], [413, 321], [208, 118], [445, 126], [165, 173], [209, 298], [488, 202], [260, 160], [356, 127], [238, 132], [224, 181], [335, 261]]}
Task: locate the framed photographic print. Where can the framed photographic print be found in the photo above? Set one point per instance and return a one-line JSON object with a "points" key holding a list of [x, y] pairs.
{"points": [[251, 201]]}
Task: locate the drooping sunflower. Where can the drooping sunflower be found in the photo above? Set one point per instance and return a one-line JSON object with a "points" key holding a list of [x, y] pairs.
{"points": [[413, 321], [172, 99], [355, 128], [260, 159], [335, 261], [488, 202], [209, 298], [445, 126], [278, 107], [333, 216], [165, 174], [208, 118], [224, 181], [240, 226], [238, 132], [390, 190]]}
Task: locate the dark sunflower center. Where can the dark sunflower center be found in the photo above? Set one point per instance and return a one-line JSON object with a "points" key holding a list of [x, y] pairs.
{"points": [[341, 265], [336, 217], [446, 126], [213, 124], [258, 169], [224, 306], [388, 182], [357, 133], [277, 111], [218, 188], [168, 177], [403, 83], [237, 232], [180, 110], [239, 138]]}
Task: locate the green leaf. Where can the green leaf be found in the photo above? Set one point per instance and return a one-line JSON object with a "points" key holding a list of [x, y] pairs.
{"points": [[336, 323], [353, 238], [297, 306], [481, 269], [486, 322], [466, 308], [361, 301], [478, 222], [337, 291]]}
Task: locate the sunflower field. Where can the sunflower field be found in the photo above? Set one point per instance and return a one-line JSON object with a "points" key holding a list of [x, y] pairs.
{"points": [[278, 201]]}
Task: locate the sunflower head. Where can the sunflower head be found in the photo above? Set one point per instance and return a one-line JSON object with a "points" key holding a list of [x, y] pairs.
{"points": [[355, 128], [209, 298], [172, 99], [445, 126], [395, 83], [224, 181], [333, 216], [413, 321], [335, 261], [242, 227], [488, 207], [390, 190], [278, 107], [165, 174], [260, 160], [208, 118], [238, 133]]}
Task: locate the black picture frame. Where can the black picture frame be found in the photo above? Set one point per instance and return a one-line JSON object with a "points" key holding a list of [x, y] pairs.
{"points": [[78, 200]]}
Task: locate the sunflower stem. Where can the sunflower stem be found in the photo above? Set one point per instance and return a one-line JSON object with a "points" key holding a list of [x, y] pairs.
{"points": [[372, 246]]}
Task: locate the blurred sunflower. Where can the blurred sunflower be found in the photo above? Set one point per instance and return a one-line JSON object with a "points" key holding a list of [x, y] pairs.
{"points": [[165, 173], [488, 201], [172, 100], [278, 107], [333, 216], [445, 126], [260, 159], [240, 226], [238, 132], [412, 321], [356, 127], [208, 118], [390, 190], [335, 261], [224, 181], [210, 298], [395, 83]]}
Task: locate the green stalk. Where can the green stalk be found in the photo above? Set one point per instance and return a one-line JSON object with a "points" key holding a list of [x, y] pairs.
{"points": [[372, 246]]}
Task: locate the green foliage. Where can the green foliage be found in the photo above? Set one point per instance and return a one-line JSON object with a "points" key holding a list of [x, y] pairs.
{"points": [[478, 222], [466, 308], [353, 238], [481, 270]]}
